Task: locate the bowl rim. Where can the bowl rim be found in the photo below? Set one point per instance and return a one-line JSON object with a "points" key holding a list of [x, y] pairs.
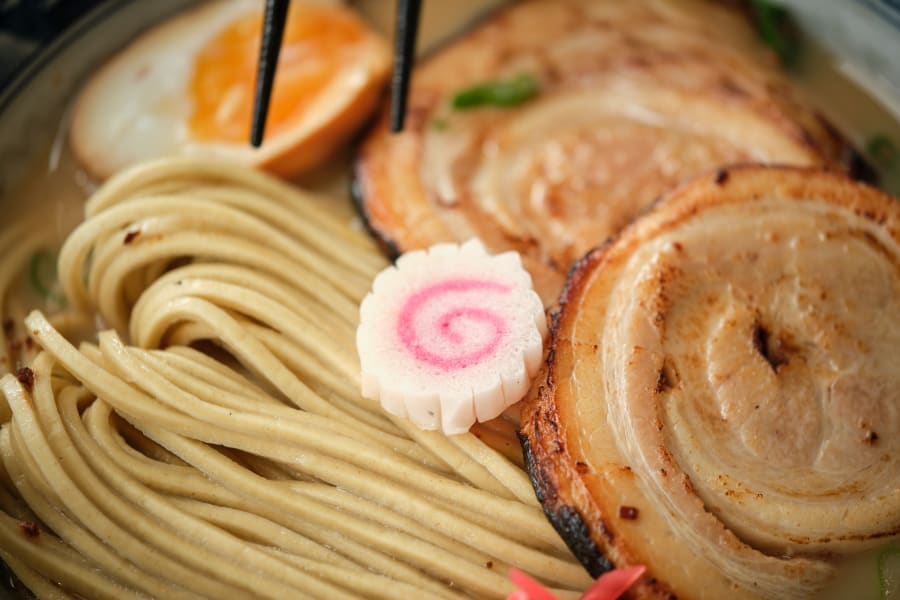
{"points": [[43, 56]]}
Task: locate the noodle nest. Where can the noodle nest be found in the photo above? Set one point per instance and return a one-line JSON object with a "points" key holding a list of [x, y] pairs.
{"points": [[210, 440]]}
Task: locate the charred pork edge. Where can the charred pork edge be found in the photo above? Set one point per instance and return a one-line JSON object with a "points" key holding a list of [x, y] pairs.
{"points": [[566, 519], [358, 195]]}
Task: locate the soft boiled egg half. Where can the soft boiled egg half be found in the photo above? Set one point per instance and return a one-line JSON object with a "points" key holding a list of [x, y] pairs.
{"points": [[187, 86]]}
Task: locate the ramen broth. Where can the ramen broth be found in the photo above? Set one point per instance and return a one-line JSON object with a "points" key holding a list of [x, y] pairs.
{"points": [[53, 189]]}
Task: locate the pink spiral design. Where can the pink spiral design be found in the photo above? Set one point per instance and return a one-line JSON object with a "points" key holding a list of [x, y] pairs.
{"points": [[446, 324]]}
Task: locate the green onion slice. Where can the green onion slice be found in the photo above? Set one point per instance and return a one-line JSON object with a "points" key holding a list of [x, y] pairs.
{"points": [[883, 151], [504, 93], [777, 30], [44, 280]]}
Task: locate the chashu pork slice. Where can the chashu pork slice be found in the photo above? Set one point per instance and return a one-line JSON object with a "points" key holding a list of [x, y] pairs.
{"points": [[721, 400], [633, 97]]}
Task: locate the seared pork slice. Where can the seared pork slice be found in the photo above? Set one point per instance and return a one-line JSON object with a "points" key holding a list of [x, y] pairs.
{"points": [[632, 97], [721, 400]]}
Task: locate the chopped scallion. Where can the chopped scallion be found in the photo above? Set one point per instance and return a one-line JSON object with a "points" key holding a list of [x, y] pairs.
{"points": [[883, 151], [508, 92], [42, 271], [777, 30]]}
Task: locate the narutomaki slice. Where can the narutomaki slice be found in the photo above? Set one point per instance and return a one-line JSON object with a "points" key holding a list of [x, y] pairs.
{"points": [[631, 97], [721, 400]]}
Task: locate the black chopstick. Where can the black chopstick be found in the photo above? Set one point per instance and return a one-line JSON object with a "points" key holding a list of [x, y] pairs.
{"points": [[404, 56], [270, 46]]}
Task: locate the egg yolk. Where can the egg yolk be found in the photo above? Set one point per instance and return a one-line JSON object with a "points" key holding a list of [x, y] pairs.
{"points": [[318, 41]]}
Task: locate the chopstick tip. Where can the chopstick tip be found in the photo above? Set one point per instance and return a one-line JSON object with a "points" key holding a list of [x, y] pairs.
{"points": [[407, 26], [274, 19]]}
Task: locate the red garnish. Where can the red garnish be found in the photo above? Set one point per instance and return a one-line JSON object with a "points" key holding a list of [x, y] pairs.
{"points": [[26, 378], [30, 528], [529, 589], [608, 586], [130, 235], [613, 584]]}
